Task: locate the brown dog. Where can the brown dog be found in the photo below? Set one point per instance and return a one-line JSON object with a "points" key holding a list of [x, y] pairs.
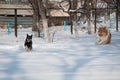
{"points": [[103, 36]]}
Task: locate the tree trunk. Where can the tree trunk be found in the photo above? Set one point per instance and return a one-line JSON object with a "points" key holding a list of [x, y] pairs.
{"points": [[89, 26], [73, 15], [88, 7], [44, 20], [76, 30], [45, 29], [34, 27]]}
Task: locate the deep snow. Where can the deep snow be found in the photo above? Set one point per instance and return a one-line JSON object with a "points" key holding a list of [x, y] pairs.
{"points": [[64, 59]]}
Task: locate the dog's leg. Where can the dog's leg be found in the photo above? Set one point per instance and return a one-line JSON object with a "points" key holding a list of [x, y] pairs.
{"points": [[103, 40], [98, 40], [27, 49]]}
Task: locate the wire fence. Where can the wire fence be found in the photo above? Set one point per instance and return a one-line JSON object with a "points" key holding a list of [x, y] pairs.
{"points": [[24, 21]]}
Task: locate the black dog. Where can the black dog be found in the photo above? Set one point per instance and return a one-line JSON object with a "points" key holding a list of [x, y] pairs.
{"points": [[28, 43]]}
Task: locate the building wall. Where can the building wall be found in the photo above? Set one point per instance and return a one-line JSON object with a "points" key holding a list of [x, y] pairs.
{"points": [[57, 21]]}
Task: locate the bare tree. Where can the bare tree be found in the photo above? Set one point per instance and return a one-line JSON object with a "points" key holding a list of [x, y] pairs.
{"points": [[44, 20], [40, 12], [88, 8], [36, 16], [70, 7]]}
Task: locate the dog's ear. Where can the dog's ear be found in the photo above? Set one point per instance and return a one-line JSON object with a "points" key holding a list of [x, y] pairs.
{"points": [[27, 35], [31, 35]]}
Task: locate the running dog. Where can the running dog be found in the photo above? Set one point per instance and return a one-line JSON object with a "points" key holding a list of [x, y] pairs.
{"points": [[28, 43], [103, 36]]}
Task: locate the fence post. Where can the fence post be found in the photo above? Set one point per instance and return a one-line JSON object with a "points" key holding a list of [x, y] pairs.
{"points": [[110, 22], [65, 25], [16, 22], [9, 28]]}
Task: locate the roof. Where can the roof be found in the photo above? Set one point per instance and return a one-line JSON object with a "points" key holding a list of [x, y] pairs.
{"points": [[7, 9], [58, 13]]}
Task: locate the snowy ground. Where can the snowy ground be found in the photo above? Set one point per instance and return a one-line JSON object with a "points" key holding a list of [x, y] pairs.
{"points": [[64, 59]]}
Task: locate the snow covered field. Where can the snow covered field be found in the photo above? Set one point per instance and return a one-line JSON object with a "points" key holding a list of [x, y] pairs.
{"points": [[64, 59]]}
